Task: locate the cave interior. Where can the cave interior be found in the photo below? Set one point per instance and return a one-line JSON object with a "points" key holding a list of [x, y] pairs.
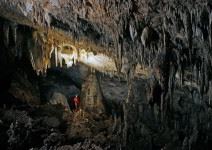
{"points": [[105, 75]]}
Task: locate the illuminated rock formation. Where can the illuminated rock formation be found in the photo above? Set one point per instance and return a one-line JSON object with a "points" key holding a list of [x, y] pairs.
{"points": [[91, 94]]}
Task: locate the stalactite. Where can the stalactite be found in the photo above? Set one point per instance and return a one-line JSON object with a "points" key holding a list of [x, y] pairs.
{"points": [[171, 84], [32, 60], [119, 57], [144, 36], [56, 56], [14, 32], [52, 50], [60, 59], [149, 58], [210, 30], [133, 32], [6, 34], [210, 93], [189, 32], [47, 18]]}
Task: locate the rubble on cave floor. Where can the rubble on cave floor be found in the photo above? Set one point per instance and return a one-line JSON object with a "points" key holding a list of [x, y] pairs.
{"points": [[100, 129], [48, 126]]}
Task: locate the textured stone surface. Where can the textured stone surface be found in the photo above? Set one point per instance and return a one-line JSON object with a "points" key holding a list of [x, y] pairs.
{"points": [[91, 95]]}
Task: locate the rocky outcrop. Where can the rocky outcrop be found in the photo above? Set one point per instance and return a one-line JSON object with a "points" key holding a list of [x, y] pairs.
{"points": [[91, 94], [60, 99]]}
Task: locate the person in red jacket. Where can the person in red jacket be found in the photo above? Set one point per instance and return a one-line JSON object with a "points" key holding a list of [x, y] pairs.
{"points": [[75, 102]]}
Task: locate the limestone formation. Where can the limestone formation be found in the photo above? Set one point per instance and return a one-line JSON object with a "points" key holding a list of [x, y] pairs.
{"points": [[91, 94]]}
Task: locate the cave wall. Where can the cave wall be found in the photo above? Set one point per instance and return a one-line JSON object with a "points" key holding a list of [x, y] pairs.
{"points": [[19, 83]]}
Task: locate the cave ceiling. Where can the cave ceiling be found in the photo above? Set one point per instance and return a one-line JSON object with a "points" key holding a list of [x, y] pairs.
{"points": [[124, 33]]}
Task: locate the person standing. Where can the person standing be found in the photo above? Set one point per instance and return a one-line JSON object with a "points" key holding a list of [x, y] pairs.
{"points": [[75, 102]]}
